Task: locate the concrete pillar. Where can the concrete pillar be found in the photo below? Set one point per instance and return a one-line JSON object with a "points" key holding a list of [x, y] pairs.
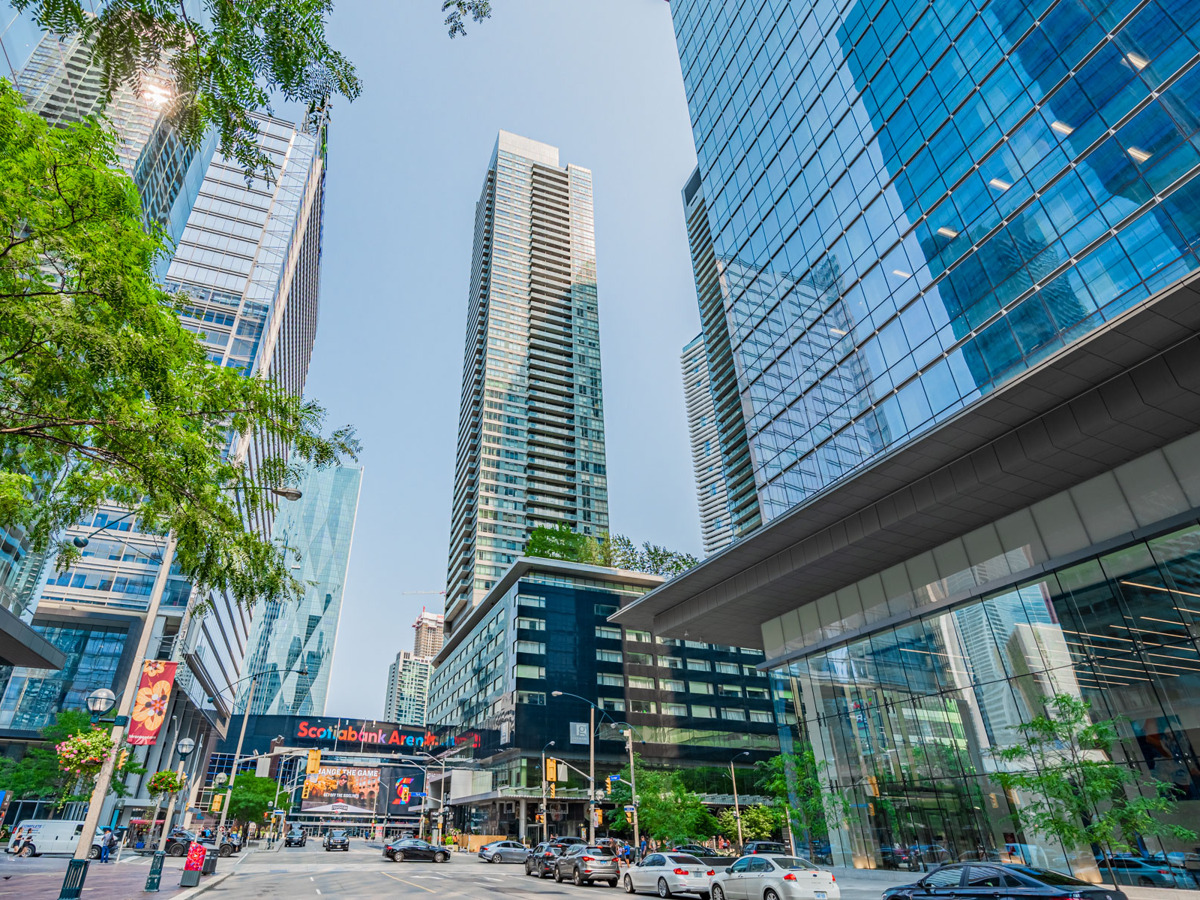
{"points": [[521, 819]]}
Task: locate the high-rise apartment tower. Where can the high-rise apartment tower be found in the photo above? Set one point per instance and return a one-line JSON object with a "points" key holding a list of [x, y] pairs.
{"points": [[711, 490], [531, 423], [407, 697], [427, 634]]}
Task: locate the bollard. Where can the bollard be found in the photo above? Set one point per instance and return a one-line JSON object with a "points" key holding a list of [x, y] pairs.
{"points": [[72, 887], [155, 876]]}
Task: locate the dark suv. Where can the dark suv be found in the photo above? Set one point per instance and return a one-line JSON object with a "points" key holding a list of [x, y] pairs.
{"points": [[540, 861], [337, 840], [296, 837], [764, 847]]}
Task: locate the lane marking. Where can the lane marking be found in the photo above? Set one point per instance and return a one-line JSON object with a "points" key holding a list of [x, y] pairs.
{"points": [[409, 883], [318, 890]]}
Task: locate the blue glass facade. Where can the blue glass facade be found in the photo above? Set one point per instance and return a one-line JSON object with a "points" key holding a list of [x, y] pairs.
{"points": [[913, 203]]}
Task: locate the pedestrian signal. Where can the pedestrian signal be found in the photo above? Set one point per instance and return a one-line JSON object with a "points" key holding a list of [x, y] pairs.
{"points": [[628, 817], [314, 762], [217, 800]]}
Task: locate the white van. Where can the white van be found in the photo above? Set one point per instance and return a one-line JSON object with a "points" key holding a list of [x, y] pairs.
{"points": [[52, 837]]}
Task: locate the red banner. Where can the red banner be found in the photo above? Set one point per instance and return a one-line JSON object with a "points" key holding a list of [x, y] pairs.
{"points": [[150, 707]]}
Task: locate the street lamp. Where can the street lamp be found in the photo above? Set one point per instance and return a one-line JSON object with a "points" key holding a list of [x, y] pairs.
{"points": [[100, 701], [591, 761], [545, 807], [737, 810], [183, 748]]}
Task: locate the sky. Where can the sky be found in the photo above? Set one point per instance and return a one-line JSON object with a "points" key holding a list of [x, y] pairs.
{"points": [[600, 79]]}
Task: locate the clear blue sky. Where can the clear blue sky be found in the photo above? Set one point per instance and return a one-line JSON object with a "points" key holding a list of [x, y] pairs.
{"points": [[598, 78]]}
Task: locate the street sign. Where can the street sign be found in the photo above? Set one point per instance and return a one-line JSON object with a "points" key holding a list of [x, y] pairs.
{"points": [[629, 809], [579, 733], [614, 778], [418, 794]]}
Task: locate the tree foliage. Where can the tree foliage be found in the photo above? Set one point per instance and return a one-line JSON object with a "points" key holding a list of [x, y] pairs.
{"points": [[459, 10], [252, 798], [1069, 786], [759, 823], [615, 551], [667, 810], [105, 398], [793, 782], [37, 775]]}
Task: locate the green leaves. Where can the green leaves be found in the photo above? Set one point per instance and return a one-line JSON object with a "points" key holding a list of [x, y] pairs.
{"points": [[105, 398], [253, 797], [1068, 785], [459, 10], [616, 551], [225, 63], [667, 810]]}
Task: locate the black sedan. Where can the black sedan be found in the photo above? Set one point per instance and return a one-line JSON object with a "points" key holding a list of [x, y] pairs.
{"points": [[413, 849], [540, 861], [337, 840], [999, 881], [296, 837]]}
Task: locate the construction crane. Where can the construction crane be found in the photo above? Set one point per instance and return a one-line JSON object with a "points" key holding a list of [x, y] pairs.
{"points": [[409, 593]]}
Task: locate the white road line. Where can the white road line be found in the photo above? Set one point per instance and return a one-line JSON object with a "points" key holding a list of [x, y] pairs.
{"points": [[318, 890]]}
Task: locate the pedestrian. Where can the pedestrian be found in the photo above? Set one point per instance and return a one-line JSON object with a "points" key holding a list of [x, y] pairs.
{"points": [[107, 841], [14, 843]]}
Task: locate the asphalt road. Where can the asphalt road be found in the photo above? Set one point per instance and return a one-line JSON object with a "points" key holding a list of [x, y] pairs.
{"points": [[310, 873]]}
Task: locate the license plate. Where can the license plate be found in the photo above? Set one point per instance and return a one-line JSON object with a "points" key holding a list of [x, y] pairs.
{"points": [[820, 895]]}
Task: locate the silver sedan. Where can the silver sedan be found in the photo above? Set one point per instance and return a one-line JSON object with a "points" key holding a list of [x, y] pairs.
{"points": [[669, 873], [504, 852]]}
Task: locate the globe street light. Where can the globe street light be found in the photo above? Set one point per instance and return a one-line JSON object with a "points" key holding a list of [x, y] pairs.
{"points": [[100, 701]]}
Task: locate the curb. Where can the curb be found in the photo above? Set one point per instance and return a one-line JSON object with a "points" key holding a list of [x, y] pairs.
{"points": [[213, 882]]}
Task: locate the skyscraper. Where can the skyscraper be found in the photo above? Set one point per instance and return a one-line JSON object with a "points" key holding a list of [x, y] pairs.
{"points": [[711, 492], [288, 636], [407, 699], [428, 632], [531, 422]]}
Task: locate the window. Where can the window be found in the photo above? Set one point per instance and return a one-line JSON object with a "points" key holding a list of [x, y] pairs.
{"points": [[699, 665], [734, 715], [703, 712], [670, 662], [604, 609], [760, 716], [529, 600], [699, 687], [531, 624], [608, 632], [531, 671], [643, 706], [639, 659], [728, 668], [531, 647], [670, 684], [674, 709], [612, 704], [609, 655], [947, 877], [612, 680], [642, 684], [757, 693], [534, 698], [642, 636], [729, 690]]}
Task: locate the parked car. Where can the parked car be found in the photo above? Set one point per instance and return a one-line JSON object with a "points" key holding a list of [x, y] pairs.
{"points": [[694, 850], [755, 847], [409, 849], [974, 881], [774, 877], [296, 837], [504, 851], [52, 837], [669, 873], [585, 863], [337, 840], [1142, 872], [540, 861], [180, 839], [568, 840]]}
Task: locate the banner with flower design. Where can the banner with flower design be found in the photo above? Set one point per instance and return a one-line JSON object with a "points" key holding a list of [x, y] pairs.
{"points": [[150, 707]]}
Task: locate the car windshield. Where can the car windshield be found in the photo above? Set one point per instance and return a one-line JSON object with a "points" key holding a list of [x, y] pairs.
{"points": [[1047, 877], [598, 851], [685, 860], [769, 848], [338, 834], [792, 862]]}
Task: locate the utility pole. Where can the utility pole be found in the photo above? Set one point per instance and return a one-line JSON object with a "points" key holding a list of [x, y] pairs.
{"points": [[592, 777], [545, 807], [637, 840], [104, 778], [237, 753]]}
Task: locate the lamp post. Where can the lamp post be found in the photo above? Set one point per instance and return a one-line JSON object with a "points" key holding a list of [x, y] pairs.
{"points": [[737, 809], [99, 702], [442, 799], [591, 761], [184, 748], [545, 808]]}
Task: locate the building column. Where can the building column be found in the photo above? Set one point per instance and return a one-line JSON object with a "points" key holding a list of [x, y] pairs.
{"points": [[521, 819]]}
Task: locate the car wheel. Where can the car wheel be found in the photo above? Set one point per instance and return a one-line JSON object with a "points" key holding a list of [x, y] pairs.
{"points": [[1143, 881], [225, 852], [557, 875], [441, 857], [769, 894], [612, 882], [717, 893], [663, 889], [177, 850], [94, 853], [398, 856], [28, 850], [497, 858], [577, 877], [629, 885]]}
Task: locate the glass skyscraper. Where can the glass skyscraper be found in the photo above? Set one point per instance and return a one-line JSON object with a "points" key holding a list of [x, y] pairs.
{"points": [[712, 494], [956, 254], [286, 636], [531, 424]]}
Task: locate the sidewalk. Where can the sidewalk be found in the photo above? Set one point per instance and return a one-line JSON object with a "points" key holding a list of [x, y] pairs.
{"points": [[114, 881]]}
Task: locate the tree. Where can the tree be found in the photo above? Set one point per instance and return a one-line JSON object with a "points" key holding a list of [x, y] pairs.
{"points": [[667, 810], [793, 782], [616, 551], [561, 542], [37, 775], [104, 396], [759, 823], [252, 798], [1070, 787]]}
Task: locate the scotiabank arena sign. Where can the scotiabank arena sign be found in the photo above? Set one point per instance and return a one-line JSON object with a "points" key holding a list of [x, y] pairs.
{"points": [[356, 734]]}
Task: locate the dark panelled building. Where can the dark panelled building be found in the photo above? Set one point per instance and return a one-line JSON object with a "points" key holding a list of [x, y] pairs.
{"points": [[544, 628]]}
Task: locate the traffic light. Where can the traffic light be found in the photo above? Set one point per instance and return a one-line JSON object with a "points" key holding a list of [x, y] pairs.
{"points": [[628, 817], [304, 791], [552, 770], [539, 818], [217, 800], [599, 817], [553, 789], [314, 762]]}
